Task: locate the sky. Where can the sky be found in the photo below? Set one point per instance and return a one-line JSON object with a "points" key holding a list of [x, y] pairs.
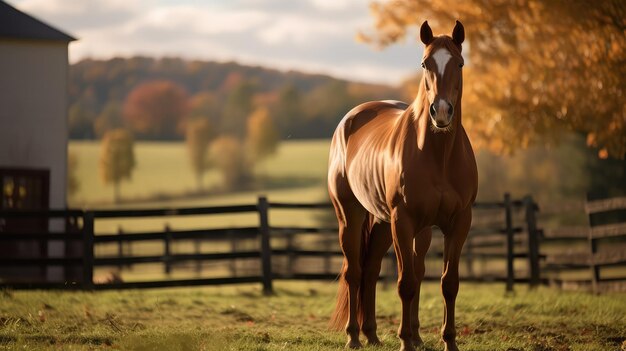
{"points": [[315, 36]]}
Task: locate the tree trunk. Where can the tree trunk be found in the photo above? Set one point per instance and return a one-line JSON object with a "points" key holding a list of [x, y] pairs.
{"points": [[116, 192]]}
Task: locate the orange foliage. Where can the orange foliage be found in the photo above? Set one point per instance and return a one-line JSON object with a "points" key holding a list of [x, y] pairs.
{"points": [[156, 108], [536, 68], [262, 137]]}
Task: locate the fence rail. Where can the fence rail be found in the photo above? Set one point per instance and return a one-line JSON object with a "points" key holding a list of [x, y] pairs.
{"points": [[601, 246], [506, 238]]}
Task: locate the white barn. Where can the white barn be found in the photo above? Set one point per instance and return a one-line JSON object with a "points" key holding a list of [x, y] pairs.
{"points": [[33, 121]]}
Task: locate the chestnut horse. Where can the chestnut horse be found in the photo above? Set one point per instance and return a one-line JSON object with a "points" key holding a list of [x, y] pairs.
{"points": [[395, 170]]}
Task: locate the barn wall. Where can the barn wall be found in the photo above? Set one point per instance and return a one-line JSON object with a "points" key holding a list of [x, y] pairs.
{"points": [[33, 118], [33, 110]]}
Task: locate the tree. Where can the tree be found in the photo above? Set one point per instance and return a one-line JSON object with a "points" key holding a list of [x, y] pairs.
{"points": [[205, 104], [238, 107], [229, 156], [536, 68], [262, 137], [198, 137], [156, 109], [110, 118], [117, 159]]}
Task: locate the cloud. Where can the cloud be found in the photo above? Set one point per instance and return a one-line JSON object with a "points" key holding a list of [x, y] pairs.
{"points": [[78, 15], [335, 5], [313, 35], [199, 20], [299, 30]]}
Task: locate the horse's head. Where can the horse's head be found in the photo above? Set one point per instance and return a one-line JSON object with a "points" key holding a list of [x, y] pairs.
{"points": [[443, 78]]}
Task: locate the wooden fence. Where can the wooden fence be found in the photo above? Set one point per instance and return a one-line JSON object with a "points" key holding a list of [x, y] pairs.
{"points": [[595, 254], [499, 237]]}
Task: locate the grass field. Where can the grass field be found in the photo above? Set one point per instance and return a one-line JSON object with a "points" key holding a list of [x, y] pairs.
{"points": [[241, 318], [163, 176]]}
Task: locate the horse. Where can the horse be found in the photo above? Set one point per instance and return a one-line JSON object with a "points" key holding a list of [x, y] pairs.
{"points": [[395, 170]]}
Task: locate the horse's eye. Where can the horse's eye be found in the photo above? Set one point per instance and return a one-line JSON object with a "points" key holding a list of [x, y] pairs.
{"points": [[461, 65], [423, 65]]}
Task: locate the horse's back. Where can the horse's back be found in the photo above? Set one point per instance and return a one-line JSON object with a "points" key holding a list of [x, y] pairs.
{"points": [[367, 126], [364, 114]]}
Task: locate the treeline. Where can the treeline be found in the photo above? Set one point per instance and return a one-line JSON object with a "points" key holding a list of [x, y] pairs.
{"points": [[155, 98]]}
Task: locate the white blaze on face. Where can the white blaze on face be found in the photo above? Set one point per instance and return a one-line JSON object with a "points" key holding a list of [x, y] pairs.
{"points": [[441, 56]]}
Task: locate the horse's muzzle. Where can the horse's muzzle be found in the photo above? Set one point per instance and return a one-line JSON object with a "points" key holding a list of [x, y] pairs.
{"points": [[441, 113]]}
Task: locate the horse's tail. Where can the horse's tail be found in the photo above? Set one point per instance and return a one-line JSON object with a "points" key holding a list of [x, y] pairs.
{"points": [[340, 316]]}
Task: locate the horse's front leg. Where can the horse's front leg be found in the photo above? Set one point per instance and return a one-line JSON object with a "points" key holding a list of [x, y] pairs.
{"points": [[421, 245], [402, 229], [453, 244]]}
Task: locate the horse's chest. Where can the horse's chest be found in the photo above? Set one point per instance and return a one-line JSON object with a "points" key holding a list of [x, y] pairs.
{"points": [[433, 203]]}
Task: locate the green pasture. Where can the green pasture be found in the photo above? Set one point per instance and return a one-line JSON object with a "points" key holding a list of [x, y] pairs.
{"points": [[241, 318], [163, 179], [297, 172]]}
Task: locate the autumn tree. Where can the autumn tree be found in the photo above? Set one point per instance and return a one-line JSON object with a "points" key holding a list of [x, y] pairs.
{"points": [[206, 105], [109, 118], [156, 109], [117, 159], [198, 137], [536, 69], [262, 137], [228, 155], [238, 107]]}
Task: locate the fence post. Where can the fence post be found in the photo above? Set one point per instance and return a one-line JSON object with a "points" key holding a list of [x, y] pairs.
{"points": [[266, 249], [120, 249], [167, 257], [198, 249], [533, 240], [88, 239], [233, 249], [593, 249], [510, 259], [290, 256]]}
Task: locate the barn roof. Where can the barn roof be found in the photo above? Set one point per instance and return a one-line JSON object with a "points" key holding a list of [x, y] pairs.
{"points": [[15, 24]]}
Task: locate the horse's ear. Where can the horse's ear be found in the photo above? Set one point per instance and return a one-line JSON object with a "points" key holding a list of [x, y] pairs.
{"points": [[458, 33], [426, 34]]}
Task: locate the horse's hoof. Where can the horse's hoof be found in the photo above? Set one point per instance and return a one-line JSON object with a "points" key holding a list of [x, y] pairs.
{"points": [[375, 341], [406, 346], [354, 344], [451, 346], [417, 342]]}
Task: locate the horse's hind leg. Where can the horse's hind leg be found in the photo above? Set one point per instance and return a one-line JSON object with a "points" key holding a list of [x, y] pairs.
{"points": [[453, 244], [351, 215], [379, 243], [421, 245]]}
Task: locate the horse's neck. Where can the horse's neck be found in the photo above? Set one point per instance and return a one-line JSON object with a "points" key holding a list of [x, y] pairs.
{"points": [[439, 145]]}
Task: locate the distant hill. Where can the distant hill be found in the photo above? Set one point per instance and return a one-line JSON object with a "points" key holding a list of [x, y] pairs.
{"points": [[302, 105]]}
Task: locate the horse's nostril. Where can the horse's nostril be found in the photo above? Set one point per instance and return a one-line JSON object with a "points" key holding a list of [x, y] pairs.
{"points": [[432, 110], [450, 109]]}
